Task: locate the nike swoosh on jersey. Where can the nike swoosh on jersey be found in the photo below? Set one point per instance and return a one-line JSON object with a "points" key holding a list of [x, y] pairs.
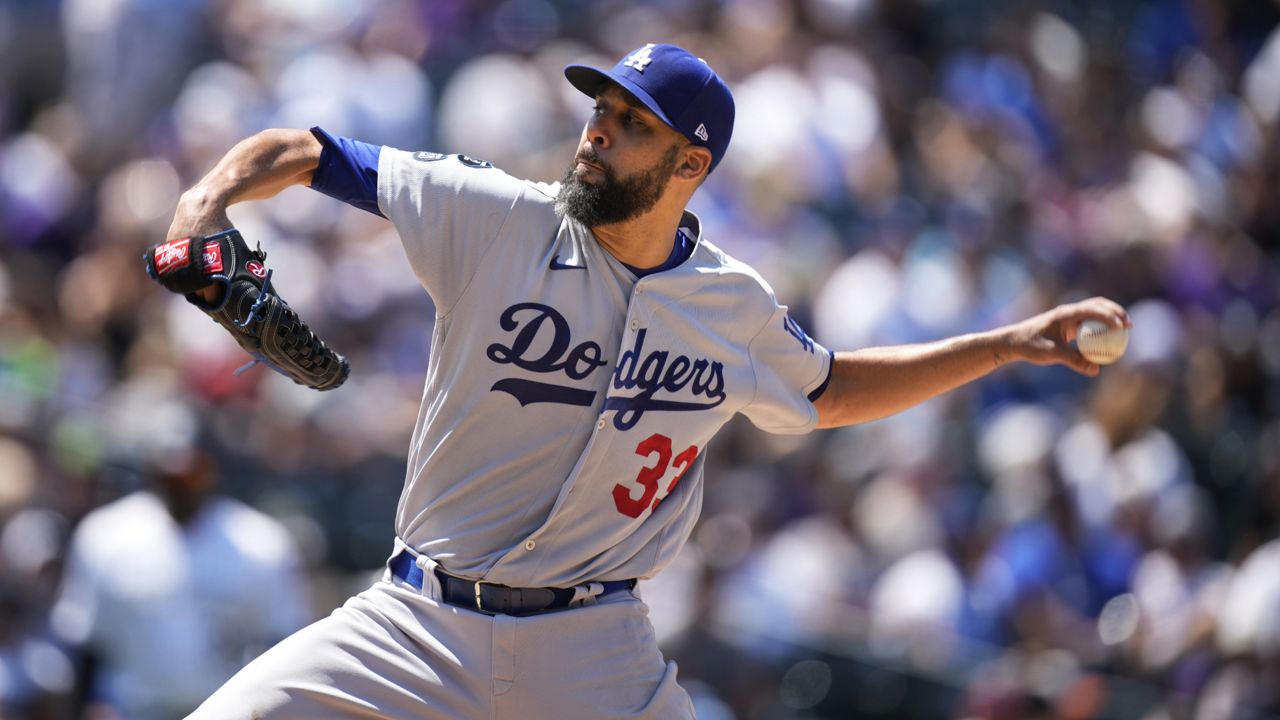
{"points": [[557, 265]]}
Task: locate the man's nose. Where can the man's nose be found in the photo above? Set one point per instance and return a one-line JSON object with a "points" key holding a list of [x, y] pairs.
{"points": [[597, 132]]}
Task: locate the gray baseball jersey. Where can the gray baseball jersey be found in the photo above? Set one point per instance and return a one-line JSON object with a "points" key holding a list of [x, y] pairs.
{"points": [[568, 404]]}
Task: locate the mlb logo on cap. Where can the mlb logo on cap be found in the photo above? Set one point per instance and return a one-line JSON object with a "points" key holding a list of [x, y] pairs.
{"points": [[677, 86]]}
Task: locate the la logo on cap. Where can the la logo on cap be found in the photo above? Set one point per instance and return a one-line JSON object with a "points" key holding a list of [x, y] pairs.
{"points": [[640, 59], [677, 86]]}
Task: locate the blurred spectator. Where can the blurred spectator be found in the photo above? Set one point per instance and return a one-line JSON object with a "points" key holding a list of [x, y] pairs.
{"points": [[170, 590], [125, 60], [36, 674], [1179, 589]]}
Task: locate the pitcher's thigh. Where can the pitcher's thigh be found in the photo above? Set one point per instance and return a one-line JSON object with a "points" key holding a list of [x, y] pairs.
{"points": [[591, 663], [355, 663]]}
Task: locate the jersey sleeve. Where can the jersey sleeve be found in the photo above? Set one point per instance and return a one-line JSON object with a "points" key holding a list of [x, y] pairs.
{"points": [[448, 210], [348, 171], [791, 372]]}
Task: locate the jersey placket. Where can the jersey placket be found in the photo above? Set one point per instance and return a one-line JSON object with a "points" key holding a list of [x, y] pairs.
{"points": [[597, 449]]}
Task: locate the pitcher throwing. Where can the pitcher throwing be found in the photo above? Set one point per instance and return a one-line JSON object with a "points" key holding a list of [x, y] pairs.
{"points": [[589, 342]]}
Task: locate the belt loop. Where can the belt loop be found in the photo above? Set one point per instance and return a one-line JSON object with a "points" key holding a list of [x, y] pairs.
{"points": [[586, 594], [430, 581]]}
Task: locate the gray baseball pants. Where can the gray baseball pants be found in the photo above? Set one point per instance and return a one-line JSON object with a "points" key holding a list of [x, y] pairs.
{"points": [[394, 652]]}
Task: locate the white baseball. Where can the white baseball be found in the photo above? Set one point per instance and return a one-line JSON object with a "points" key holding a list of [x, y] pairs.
{"points": [[1101, 343]]}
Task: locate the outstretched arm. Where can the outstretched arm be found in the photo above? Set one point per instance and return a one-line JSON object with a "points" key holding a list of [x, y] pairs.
{"points": [[877, 382]]}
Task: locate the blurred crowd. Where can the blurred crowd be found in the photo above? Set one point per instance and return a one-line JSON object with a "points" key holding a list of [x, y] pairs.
{"points": [[1037, 545]]}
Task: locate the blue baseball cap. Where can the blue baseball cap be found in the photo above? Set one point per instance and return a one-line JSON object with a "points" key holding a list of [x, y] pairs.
{"points": [[679, 87]]}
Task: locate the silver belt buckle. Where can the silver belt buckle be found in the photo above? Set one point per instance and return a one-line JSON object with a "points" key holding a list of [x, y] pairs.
{"points": [[479, 606]]}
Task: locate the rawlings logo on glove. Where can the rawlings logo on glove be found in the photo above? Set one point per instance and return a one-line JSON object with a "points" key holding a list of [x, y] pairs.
{"points": [[258, 318], [171, 256], [212, 257]]}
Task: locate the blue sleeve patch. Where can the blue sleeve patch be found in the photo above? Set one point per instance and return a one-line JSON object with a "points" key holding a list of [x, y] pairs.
{"points": [[348, 171]]}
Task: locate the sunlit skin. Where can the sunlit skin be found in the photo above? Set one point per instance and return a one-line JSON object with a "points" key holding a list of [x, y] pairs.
{"points": [[873, 383], [626, 137]]}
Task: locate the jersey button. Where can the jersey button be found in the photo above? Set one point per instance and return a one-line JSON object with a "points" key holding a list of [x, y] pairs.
{"points": [[635, 324], [600, 425], [529, 544]]}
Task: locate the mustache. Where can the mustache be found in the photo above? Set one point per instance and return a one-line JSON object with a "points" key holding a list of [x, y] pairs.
{"points": [[590, 156]]}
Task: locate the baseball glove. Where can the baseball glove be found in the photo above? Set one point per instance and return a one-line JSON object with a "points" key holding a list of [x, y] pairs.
{"points": [[250, 309]]}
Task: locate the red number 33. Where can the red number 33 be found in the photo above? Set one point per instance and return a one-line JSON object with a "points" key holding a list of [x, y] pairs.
{"points": [[646, 483]]}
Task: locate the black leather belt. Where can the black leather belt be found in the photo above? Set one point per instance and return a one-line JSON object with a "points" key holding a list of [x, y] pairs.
{"points": [[493, 599]]}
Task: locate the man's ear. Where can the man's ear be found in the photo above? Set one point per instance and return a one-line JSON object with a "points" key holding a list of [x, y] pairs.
{"points": [[696, 163]]}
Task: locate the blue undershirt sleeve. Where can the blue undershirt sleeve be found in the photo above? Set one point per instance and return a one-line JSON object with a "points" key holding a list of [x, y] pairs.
{"points": [[348, 171]]}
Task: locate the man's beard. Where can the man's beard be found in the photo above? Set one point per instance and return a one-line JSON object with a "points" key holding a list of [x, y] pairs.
{"points": [[613, 200]]}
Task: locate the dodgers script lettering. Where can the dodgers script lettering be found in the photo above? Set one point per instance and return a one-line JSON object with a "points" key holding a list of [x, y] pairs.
{"points": [[543, 343], [536, 325], [662, 371]]}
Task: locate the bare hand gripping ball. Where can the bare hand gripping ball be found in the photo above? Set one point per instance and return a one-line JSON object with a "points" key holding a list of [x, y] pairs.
{"points": [[251, 310], [1101, 343]]}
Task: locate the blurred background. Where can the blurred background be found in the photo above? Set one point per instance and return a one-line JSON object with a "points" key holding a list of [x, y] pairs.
{"points": [[1038, 545]]}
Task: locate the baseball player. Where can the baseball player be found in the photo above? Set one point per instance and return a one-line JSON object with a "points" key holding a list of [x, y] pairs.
{"points": [[589, 342]]}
